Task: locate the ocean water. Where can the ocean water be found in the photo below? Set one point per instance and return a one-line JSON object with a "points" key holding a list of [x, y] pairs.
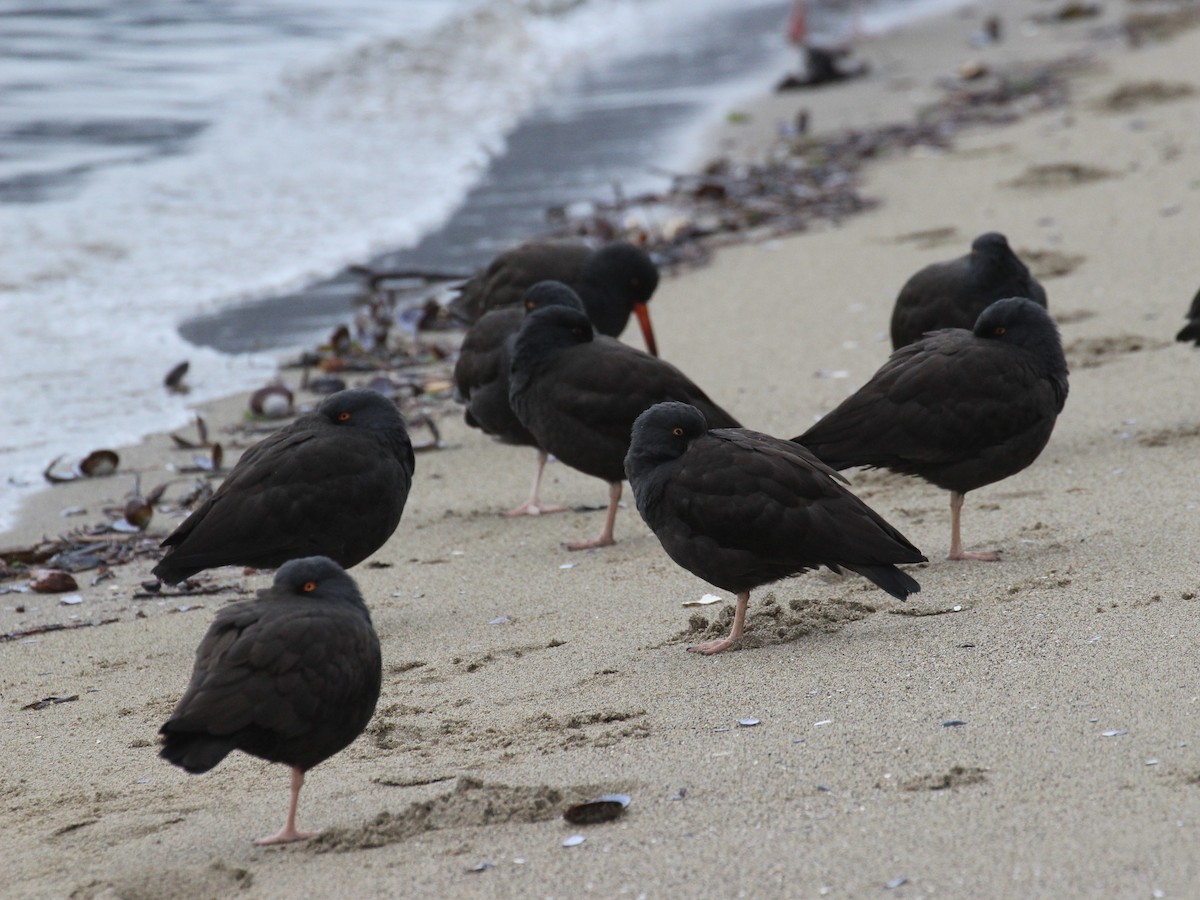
{"points": [[165, 163]]}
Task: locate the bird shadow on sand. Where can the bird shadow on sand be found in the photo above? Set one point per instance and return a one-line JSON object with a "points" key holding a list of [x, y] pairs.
{"points": [[771, 622], [470, 803]]}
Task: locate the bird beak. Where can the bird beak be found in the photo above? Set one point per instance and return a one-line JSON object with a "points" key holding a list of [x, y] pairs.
{"points": [[643, 317]]}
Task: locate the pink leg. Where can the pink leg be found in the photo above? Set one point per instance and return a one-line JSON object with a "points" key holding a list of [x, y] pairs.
{"points": [[956, 546], [606, 536], [708, 648], [533, 506], [288, 832]]}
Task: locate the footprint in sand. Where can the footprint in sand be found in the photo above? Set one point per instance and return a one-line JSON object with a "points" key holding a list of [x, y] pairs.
{"points": [[471, 803], [1087, 353], [1047, 264], [1133, 95], [929, 238], [1166, 437], [956, 777], [1059, 175], [769, 622]]}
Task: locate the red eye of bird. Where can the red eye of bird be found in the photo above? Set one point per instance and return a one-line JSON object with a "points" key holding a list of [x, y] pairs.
{"points": [[999, 330], [343, 417], [677, 431], [309, 587]]}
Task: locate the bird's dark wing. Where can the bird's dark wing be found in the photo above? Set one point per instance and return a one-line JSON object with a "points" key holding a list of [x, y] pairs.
{"points": [[273, 675], [948, 398], [298, 495], [938, 296], [741, 509], [481, 376], [506, 279], [483, 357], [587, 401], [1191, 331]]}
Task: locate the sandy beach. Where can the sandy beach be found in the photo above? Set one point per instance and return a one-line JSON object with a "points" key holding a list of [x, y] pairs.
{"points": [[1025, 728]]}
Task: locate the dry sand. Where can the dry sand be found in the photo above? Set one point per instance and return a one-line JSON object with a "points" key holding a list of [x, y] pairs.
{"points": [[1072, 663]]}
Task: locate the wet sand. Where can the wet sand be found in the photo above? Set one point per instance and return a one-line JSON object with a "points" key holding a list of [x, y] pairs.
{"points": [[1070, 666]]}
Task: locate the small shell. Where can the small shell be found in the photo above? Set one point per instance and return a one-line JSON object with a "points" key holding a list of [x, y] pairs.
{"points": [[971, 70], [273, 401], [99, 463], [138, 513], [340, 341], [52, 581], [602, 809], [574, 840]]}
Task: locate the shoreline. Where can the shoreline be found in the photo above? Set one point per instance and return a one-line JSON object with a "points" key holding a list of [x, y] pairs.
{"points": [[1071, 661], [749, 134]]}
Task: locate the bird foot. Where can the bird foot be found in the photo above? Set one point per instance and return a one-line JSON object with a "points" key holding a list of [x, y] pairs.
{"points": [[601, 541], [982, 555], [530, 508], [708, 648], [285, 835]]}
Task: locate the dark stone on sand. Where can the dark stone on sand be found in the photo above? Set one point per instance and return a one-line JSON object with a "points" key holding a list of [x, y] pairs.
{"points": [[291, 677], [952, 294], [579, 393], [741, 509], [333, 483], [959, 408]]}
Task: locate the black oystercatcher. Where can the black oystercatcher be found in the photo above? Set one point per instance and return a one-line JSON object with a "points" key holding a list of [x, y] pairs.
{"points": [[741, 509], [579, 393], [1191, 331], [333, 483], [612, 281], [958, 408], [290, 677], [481, 378], [952, 294]]}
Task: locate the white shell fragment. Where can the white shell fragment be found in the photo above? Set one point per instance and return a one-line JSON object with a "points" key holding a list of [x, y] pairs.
{"points": [[748, 722], [574, 840], [706, 600]]}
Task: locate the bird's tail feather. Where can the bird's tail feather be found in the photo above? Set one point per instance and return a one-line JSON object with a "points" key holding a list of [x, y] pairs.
{"points": [[895, 581], [195, 753]]}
